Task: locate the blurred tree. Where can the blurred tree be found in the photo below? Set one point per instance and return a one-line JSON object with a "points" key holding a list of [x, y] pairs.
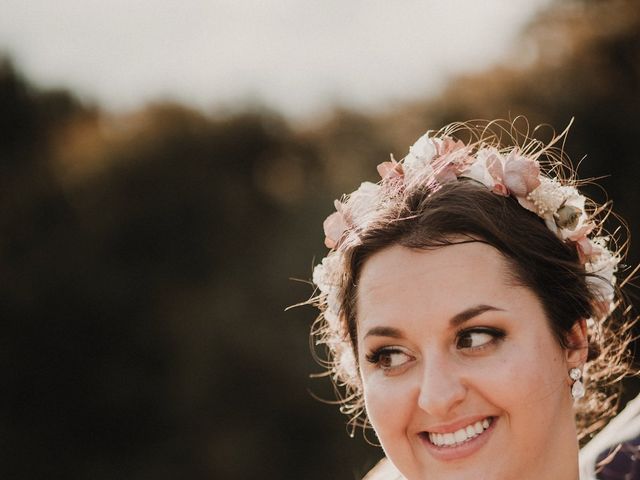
{"points": [[144, 257], [142, 273]]}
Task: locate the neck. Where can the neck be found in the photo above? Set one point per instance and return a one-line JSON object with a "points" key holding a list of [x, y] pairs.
{"points": [[561, 459]]}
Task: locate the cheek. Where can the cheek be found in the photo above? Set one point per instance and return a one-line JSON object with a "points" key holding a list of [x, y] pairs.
{"points": [[528, 375], [389, 403]]}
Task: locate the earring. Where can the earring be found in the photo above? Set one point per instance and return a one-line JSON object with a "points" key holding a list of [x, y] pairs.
{"points": [[577, 389]]}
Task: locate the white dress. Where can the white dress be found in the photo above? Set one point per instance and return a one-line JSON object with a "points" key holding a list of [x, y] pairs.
{"points": [[622, 428]]}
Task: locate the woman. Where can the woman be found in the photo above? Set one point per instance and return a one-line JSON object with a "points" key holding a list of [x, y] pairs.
{"points": [[468, 304]]}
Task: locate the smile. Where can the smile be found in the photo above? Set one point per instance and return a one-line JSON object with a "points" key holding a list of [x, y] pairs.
{"points": [[459, 441], [461, 436]]}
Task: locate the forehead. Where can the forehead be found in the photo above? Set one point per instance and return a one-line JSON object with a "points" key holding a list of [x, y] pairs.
{"points": [[399, 281]]}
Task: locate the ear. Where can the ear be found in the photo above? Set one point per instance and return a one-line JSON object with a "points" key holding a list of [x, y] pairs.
{"points": [[577, 344]]}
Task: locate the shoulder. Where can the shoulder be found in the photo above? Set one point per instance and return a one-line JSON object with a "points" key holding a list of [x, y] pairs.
{"points": [[613, 453], [384, 470]]}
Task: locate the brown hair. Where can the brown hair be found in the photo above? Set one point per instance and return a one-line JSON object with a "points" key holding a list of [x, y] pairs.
{"points": [[465, 211], [432, 216]]}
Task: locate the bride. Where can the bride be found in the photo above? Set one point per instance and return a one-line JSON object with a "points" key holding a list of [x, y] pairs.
{"points": [[470, 310]]}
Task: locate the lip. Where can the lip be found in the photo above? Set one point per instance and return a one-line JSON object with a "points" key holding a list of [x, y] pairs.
{"points": [[466, 449], [457, 425]]}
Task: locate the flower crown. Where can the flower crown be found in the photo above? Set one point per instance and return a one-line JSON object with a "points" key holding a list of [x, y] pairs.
{"points": [[436, 160]]}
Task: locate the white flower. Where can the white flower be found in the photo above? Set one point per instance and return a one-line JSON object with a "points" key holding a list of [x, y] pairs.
{"points": [[548, 197], [576, 202], [319, 272], [361, 206], [348, 371], [332, 319], [333, 300], [320, 276], [325, 274], [604, 267], [419, 157], [478, 171], [561, 207]]}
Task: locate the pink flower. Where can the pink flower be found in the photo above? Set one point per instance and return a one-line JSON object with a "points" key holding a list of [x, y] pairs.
{"points": [[587, 249], [334, 226], [496, 170], [448, 145], [514, 175], [500, 189], [390, 170], [582, 232], [445, 173], [521, 175], [452, 160]]}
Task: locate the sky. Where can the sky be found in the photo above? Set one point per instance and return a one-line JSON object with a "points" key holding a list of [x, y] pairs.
{"points": [[297, 56]]}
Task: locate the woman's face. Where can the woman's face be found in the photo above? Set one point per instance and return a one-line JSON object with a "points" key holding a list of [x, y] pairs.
{"points": [[462, 376]]}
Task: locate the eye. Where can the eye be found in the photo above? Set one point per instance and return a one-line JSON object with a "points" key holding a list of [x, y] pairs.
{"points": [[478, 338], [389, 358]]}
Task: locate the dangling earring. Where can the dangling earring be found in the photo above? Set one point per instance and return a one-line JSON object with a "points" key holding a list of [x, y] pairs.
{"points": [[577, 389]]}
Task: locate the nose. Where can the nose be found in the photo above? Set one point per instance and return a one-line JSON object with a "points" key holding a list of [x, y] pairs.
{"points": [[442, 387]]}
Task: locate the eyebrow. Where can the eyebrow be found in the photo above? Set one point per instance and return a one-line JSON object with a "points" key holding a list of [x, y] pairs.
{"points": [[455, 321], [469, 313]]}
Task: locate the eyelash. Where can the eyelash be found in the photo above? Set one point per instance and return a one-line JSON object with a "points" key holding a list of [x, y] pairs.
{"points": [[375, 357], [496, 334]]}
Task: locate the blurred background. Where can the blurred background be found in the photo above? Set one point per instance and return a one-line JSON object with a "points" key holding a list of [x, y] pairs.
{"points": [[165, 169]]}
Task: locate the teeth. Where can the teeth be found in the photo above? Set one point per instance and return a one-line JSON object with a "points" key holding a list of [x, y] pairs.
{"points": [[478, 428], [459, 436]]}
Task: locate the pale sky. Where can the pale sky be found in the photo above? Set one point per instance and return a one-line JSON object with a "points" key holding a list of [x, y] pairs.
{"points": [[298, 56]]}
